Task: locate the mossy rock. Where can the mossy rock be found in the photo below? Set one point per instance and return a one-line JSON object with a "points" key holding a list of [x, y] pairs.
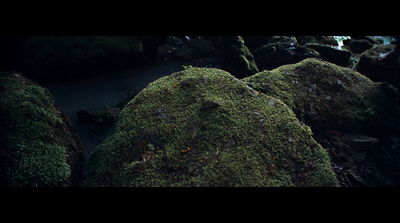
{"points": [[38, 146], [327, 96], [388, 71], [204, 127], [236, 58]]}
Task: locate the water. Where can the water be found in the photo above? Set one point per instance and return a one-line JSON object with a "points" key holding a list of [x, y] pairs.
{"points": [[108, 89]]}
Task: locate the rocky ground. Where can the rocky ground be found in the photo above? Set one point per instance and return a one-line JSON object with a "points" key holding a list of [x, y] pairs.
{"points": [[279, 111]]}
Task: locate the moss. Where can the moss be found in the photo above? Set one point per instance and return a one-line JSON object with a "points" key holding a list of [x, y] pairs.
{"points": [[327, 96], [37, 148], [236, 57], [203, 127]]}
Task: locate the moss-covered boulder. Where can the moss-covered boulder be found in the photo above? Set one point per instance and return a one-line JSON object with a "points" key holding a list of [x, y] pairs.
{"points": [[204, 127], [327, 96], [376, 70], [38, 146], [236, 58]]}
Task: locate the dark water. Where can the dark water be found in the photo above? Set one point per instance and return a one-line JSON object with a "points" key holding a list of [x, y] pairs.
{"points": [[99, 91]]}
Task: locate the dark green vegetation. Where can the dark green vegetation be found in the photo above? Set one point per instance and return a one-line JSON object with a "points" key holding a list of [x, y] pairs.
{"points": [[37, 144], [328, 96], [203, 127]]}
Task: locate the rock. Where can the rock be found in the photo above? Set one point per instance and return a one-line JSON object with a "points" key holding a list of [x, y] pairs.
{"points": [[236, 58], [198, 49], [254, 42], [388, 71], [327, 96], [103, 115], [283, 39], [360, 160], [38, 145], [357, 46], [360, 142], [331, 54], [273, 55], [302, 40], [220, 132]]}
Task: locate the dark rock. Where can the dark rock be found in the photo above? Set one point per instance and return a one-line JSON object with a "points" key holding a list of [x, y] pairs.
{"points": [[360, 142], [283, 39], [302, 40], [361, 161], [357, 46], [236, 58], [253, 42], [273, 55], [332, 54], [103, 115], [198, 49], [388, 71]]}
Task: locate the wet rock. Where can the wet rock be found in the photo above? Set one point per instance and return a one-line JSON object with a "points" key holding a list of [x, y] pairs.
{"points": [[218, 137], [388, 71], [361, 161], [38, 145], [357, 46], [360, 142], [273, 55], [332, 54], [283, 39], [302, 40]]}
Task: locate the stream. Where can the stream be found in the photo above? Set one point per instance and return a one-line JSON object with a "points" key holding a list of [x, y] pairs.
{"points": [[107, 89]]}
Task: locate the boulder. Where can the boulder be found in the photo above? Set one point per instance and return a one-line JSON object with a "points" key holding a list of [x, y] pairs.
{"points": [[38, 146], [327, 96], [197, 49], [204, 127], [273, 55], [357, 46], [331, 54], [302, 40], [370, 66], [362, 161], [236, 58]]}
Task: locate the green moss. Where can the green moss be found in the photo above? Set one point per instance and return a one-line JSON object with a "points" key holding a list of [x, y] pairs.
{"points": [[203, 127], [236, 57], [328, 96], [33, 139]]}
